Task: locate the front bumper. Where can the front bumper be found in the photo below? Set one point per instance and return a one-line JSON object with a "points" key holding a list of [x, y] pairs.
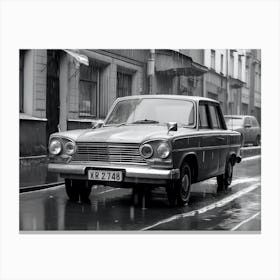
{"points": [[132, 173]]}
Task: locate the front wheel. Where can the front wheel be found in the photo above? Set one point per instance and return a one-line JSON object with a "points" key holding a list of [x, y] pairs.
{"points": [[77, 189], [224, 180], [179, 192]]}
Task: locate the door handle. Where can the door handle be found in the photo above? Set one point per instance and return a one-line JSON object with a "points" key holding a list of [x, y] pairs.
{"points": [[221, 138]]}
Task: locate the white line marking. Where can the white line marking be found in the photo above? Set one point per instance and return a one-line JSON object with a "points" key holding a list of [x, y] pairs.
{"points": [[244, 180], [251, 148], [204, 209], [246, 221], [111, 190], [251, 158]]}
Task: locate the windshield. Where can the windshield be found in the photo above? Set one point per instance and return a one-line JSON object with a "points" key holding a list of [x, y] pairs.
{"points": [[234, 121], [152, 110]]}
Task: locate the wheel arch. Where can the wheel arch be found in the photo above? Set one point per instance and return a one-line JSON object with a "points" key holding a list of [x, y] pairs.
{"points": [[191, 159], [232, 156]]}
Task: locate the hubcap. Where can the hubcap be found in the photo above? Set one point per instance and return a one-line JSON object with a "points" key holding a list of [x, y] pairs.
{"points": [[185, 186]]}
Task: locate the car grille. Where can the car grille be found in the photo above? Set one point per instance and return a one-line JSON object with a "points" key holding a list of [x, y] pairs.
{"points": [[120, 153]]}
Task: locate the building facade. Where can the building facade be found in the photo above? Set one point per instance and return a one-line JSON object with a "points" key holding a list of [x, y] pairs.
{"points": [[68, 89]]}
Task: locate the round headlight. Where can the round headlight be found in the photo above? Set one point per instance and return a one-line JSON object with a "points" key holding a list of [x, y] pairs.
{"points": [[163, 150], [55, 147], [146, 151], [69, 148]]}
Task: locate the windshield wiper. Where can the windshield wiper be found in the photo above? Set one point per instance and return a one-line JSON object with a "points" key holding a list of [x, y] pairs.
{"points": [[146, 121]]}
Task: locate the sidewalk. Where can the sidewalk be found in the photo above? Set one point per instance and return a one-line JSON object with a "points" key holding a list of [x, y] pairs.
{"points": [[34, 174]]}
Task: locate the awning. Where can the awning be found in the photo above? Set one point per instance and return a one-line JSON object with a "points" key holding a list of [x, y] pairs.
{"points": [[236, 83], [194, 69], [81, 58], [172, 63]]}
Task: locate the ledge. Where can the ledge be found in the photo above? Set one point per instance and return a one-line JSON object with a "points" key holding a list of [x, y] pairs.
{"points": [[81, 120], [23, 116]]}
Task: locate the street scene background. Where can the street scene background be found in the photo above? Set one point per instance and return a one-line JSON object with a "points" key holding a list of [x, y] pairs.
{"points": [[70, 89]]}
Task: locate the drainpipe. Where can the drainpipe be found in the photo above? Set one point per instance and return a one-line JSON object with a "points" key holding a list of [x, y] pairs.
{"points": [[227, 80], [151, 71]]}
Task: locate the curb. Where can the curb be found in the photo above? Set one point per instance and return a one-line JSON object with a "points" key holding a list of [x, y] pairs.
{"points": [[250, 151], [39, 187]]}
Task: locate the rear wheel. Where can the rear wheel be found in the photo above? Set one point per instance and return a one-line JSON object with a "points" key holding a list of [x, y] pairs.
{"points": [[224, 180], [178, 193], [77, 189], [257, 141]]}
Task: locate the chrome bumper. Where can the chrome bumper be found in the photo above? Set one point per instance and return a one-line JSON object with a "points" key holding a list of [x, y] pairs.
{"points": [[140, 172]]}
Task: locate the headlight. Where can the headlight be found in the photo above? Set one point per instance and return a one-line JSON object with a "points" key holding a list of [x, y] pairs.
{"points": [[146, 151], [55, 147], [69, 148], [163, 150]]}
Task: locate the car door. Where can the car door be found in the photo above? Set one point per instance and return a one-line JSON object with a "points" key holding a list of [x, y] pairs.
{"points": [[248, 130], [205, 138], [255, 129], [219, 139]]}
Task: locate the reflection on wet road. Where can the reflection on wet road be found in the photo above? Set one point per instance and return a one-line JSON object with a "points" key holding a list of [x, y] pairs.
{"points": [[113, 209]]}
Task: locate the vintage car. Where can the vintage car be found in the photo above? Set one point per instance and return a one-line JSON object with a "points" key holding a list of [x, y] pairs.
{"points": [[148, 141], [248, 127]]}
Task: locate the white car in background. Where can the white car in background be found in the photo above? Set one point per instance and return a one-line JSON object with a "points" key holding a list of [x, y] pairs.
{"points": [[247, 125]]}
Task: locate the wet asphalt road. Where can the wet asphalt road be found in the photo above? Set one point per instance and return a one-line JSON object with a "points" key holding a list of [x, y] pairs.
{"points": [[113, 209]]}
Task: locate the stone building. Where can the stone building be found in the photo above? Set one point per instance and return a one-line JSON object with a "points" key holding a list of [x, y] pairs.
{"points": [[68, 89]]}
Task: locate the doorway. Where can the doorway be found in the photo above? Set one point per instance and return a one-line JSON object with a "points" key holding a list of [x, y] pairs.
{"points": [[52, 102]]}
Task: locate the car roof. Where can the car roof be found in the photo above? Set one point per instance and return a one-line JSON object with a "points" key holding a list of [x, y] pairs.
{"points": [[169, 96]]}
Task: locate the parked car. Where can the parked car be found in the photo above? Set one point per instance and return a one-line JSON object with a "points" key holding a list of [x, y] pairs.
{"points": [[149, 141], [248, 126]]}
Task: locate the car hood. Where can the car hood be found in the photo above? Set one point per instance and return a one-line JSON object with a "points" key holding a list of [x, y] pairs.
{"points": [[123, 134]]}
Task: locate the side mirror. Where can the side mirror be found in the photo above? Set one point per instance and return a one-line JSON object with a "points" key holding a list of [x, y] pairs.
{"points": [[97, 124], [172, 126]]}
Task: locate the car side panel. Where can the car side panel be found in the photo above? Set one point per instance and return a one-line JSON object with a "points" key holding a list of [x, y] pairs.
{"points": [[211, 150]]}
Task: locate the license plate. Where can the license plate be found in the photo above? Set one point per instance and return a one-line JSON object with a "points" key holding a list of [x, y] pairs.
{"points": [[105, 175]]}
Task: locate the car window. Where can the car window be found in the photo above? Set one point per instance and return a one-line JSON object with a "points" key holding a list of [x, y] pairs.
{"points": [[216, 122], [203, 120], [247, 121], [155, 110], [254, 122], [234, 121]]}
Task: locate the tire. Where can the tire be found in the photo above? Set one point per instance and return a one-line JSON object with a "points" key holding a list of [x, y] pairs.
{"points": [[257, 141], [179, 192], [224, 180], [77, 189]]}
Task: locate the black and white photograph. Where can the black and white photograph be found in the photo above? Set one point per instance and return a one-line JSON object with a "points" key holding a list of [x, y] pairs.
{"points": [[140, 139]]}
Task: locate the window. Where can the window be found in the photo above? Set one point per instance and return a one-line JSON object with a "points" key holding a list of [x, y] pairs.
{"points": [[21, 66], [203, 119], [216, 123], [222, 63], [239, 67], [213, 57], [231, 63], [152, 110], [88, 91], [247, 121], [124, 84], [247, 76]]}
